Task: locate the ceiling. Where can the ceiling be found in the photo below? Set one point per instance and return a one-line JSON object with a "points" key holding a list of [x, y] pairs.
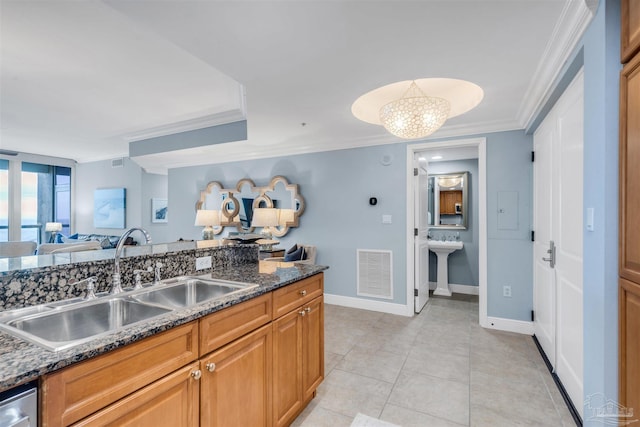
{"points": [[82, 80]]}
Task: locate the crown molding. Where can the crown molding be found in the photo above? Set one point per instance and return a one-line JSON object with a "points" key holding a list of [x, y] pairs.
{"points": [[570, 27]]}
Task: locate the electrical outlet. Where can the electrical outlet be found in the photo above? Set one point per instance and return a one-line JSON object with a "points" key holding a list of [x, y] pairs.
{"points": [[203, 262], [506, 291]]}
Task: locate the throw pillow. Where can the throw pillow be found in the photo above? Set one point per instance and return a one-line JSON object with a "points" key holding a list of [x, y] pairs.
{"points": [[294, 256], [292, 249]]}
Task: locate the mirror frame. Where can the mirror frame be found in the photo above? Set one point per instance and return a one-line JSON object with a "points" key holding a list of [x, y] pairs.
{"points": [[465, 201], [228, 215]]}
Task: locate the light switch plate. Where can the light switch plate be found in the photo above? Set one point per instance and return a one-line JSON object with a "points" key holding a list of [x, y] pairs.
{"points": [[386, 219], [203, 262]]}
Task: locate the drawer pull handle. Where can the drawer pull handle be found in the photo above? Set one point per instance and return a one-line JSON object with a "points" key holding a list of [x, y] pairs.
{"points": [[302, 313], [211, 367], [303, 292], [196, 374]]}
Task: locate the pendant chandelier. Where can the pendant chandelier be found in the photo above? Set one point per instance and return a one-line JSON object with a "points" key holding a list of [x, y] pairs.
{"points": [[413, 109], [415, 115]]}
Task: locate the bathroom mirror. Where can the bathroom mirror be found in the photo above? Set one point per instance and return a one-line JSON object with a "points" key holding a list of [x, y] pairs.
{"points": [[448, 200], [237, 204]]}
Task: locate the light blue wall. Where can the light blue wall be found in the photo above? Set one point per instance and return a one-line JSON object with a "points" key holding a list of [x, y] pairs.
{"points": [[463, 265], [601, 97], [338, 219]]}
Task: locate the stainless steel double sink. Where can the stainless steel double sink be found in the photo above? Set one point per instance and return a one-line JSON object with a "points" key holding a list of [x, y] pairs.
{"points": [[65, 324]]}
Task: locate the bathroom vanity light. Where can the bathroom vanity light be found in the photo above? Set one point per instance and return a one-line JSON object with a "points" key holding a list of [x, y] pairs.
{"points": [[415, 109], [208, 219]]}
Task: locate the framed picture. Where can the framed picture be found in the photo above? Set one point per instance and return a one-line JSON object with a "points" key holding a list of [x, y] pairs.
{"points": [[109, 207], [159, 212]]}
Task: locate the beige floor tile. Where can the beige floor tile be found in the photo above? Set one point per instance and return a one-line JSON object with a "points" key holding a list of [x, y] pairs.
{"points": [[381, 365], [408, 418], [330, 361], [434, 396], [438, 363], [347, 394], [317, 416]]}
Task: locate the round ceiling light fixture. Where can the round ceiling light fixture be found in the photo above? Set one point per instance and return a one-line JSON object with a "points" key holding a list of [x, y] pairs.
{"points": [[416, 109]]}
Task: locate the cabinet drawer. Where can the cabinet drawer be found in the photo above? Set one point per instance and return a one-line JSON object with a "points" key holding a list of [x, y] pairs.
{"points": [[289, 297], [73, 393], [224, 326]]}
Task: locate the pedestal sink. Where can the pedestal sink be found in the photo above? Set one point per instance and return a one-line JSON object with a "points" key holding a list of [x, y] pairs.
{"points": [[442, 250]]}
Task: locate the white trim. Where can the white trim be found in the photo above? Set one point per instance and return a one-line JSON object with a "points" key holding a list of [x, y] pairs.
{"points": [[482, 217], [573, 22], [458, 289], [367, 304], [510, 325]]}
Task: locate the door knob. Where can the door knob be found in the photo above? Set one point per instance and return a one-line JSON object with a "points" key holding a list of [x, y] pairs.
{"points": [[552, 254], [211, 367], [196, 374]]}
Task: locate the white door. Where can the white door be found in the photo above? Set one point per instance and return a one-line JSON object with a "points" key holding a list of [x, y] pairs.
{"points": [[421, 246], [558, 207]]}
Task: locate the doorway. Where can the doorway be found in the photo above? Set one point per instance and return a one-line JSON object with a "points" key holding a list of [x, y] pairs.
{"points": [[475, 147]]}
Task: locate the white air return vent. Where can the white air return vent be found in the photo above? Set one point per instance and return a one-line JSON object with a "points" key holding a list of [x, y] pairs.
{"points": [[117, 163], [375, 275]]}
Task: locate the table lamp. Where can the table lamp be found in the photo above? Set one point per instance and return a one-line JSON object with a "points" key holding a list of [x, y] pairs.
{"points": [[208, 219], [53, 228]]}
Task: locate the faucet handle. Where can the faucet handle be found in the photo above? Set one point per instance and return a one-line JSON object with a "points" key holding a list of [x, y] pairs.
{"points": [[156, 277], [137, 276], [90, 281]]}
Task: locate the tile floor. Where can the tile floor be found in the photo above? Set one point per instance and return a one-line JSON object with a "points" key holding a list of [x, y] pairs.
{"points": [[436, 369]]}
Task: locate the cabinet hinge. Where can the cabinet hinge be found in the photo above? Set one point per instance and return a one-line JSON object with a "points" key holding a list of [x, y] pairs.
{"points": [[533, 156], [415, 292], [415, 171], [533, 236], [533, 316], [415, 231]]}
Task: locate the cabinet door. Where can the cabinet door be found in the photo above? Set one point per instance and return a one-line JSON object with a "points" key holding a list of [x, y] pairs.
{"points": [[287, 367], [629, 171], [629, 312], [236, 383], [170, 401], [312, 347], [630, 29]]}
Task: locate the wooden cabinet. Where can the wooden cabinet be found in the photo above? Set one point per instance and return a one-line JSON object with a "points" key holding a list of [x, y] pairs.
{"points": [[298, 348], [235, 387], [448, 201], [630, 29], [629, 210], [70, 394], [171, 401]]}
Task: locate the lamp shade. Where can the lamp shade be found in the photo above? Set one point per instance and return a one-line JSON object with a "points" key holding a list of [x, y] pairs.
{"points": [[53, 226], [286, 215], [264, 217], [207, 218]]}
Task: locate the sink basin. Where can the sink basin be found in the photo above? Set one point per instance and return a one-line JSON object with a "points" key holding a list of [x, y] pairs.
{"points": [[71, 325], [442, 250], [189, 292]]}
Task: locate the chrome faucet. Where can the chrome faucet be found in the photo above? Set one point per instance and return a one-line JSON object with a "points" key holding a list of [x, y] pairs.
{"points": [[116, 285]]}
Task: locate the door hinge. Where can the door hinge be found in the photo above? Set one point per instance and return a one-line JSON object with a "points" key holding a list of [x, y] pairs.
{"points": [[415, 292], [533, 316], [533, 236], [533, 156], [415, 171], [415, 231]]}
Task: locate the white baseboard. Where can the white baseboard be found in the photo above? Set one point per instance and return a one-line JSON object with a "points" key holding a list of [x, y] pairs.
{"points": [[367, 304], [459, 289], [510, 325]]}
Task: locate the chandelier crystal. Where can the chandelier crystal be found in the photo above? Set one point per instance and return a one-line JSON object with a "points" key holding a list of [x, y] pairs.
{"points": [[414, 115]]}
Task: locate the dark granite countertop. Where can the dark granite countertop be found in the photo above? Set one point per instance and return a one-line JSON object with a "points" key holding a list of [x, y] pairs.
{"points": [[22, 361]]}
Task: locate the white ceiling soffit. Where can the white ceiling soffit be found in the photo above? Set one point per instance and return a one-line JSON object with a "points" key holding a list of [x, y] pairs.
{"points": [[82, 79]]}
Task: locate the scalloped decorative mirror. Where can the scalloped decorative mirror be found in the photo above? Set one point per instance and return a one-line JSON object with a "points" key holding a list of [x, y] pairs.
{"points": [[237, 204]]}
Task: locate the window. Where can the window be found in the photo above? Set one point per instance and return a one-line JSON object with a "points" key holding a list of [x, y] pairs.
{"points": [[44, 195]]}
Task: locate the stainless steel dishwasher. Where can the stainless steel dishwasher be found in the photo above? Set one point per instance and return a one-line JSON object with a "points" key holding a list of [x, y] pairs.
{"points": [[19, 406]]}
